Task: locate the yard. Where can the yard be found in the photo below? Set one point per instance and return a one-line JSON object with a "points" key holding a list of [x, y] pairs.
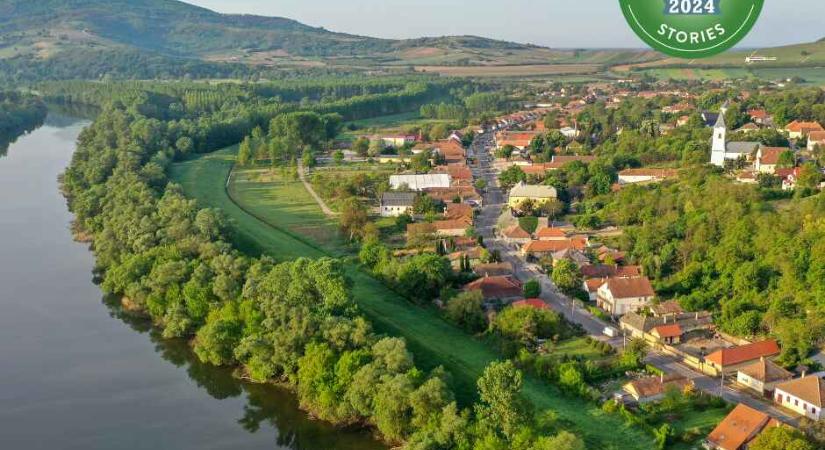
{"points": [[265, 224]]}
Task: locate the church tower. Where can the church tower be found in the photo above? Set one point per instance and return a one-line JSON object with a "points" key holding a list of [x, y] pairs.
{"points": [[720, 132]]}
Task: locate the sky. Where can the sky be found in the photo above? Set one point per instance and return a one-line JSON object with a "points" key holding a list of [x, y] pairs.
{"points": [[552, 23]]}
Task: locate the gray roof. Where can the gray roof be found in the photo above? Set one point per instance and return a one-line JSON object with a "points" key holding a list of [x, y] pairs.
{"points": [[720, 122], [741, 148], [398, 198]]}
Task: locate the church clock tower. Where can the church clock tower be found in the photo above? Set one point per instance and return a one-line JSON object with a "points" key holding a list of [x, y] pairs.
{"points": [[720, 132]]}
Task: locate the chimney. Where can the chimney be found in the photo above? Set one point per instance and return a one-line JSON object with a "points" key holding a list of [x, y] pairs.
{"points": [[662, 378]]}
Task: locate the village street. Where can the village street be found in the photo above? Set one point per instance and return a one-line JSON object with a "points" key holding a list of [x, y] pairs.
{"points": [[495, 201]]}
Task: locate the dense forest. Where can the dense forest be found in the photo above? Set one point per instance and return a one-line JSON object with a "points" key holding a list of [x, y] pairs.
{"points": [[19, 114], [292, 322], [715, 245]]}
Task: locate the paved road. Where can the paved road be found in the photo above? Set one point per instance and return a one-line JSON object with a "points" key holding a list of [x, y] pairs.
{"points": [[494, 202]]}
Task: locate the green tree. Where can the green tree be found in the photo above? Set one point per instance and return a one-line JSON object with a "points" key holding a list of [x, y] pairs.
{"points": [[780, 438], [567, 276], [501, 407], [354, 218], [245, 152], [361, 146], [532, 289], [467, 311]]}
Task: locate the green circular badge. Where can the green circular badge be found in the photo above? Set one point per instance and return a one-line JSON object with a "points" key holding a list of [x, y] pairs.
{"points": [[691, 28]]}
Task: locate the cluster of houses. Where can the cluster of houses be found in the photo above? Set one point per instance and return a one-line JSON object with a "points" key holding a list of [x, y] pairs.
{"points": [[804, 396], [758, 159]]}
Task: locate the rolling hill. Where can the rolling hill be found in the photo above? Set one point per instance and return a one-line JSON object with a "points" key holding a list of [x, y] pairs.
{"points": [[59, 32]]}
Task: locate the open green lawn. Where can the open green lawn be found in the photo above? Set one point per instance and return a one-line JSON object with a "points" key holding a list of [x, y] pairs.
{"points": [[260, 229]]}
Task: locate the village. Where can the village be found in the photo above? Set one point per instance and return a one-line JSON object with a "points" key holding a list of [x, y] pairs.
{"points": [[483, 204]]}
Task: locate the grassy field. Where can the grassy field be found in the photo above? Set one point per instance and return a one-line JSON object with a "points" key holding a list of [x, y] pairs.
{"points": [[285, 203], [260, 230]]}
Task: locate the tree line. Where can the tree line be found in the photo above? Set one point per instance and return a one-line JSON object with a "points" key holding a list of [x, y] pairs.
{"points": [[19, 114]]}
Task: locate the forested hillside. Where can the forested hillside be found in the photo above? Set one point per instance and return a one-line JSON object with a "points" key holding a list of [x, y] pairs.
{"points": [[140, 39]]}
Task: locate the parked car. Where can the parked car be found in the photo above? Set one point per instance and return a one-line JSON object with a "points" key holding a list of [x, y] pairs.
{"points": [[610, 332]]}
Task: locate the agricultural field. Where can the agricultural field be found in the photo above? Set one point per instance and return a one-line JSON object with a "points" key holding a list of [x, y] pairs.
{"points": [[811, 75], [259, 229], [535, 70]]}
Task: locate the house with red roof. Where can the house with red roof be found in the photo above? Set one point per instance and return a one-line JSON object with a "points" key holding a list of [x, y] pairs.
{"points": [[804, 396], [504, 287], [739, 428], [669, 334], [730, 360], [762, 376], [551, 234], [516, 234], [619, 296], [798, 129], [767, 158]]}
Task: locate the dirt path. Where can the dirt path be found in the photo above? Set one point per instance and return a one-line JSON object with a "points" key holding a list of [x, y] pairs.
{"points": [[324, 208]]}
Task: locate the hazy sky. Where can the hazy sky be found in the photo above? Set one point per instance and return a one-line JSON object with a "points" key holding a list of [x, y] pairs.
{"points": [[554, 23]]}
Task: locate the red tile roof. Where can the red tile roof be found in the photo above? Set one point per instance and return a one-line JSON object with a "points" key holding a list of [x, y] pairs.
{"points": [[744, 353], [458, 172], [817, 136], [515, 232], [741, 426], [504, 286], [593, 284], [770, 155], [810, 389], [630, 287], [459, 211], [758, 114], [668, 331], [550, 232], [801, 127]]}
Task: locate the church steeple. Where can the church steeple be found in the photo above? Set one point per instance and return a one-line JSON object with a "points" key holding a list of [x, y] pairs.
{"points": [[720, 132]]}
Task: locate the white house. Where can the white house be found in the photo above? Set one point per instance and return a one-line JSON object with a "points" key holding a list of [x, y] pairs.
{"points": [[394, 204], [762, 376], [805, 396], [421, 181], [619, 296], [816, 138]]}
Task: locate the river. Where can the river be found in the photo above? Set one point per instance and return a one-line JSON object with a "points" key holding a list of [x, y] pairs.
{"points": [[76, 374]]}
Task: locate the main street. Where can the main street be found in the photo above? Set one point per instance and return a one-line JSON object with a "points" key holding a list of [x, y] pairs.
{"points": [[493, 207]]}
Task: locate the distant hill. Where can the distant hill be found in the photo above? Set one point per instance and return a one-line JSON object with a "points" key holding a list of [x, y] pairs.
{"points": [[62, 32]]}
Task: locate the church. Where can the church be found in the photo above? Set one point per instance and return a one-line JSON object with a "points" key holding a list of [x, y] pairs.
{"points": [[722, 150]]}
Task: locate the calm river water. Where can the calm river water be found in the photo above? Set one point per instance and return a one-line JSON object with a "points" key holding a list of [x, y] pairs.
{"points": [[76, 375]]}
